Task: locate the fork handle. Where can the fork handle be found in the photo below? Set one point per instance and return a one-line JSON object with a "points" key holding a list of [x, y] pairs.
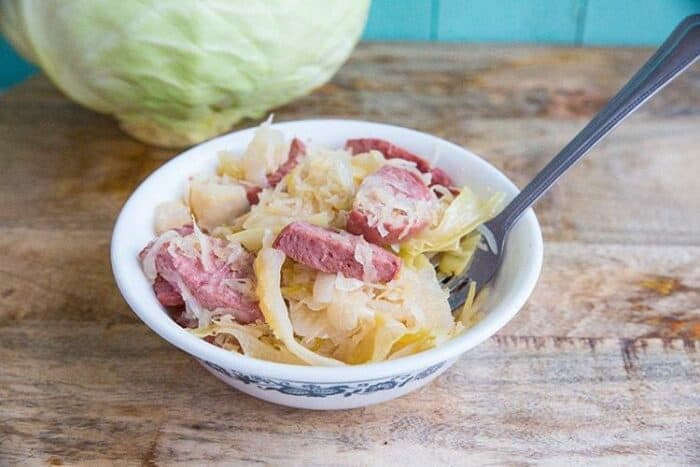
{"points": [[677, 53]]}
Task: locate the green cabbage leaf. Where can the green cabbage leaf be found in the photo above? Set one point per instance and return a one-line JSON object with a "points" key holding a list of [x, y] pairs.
{"points": [[175, 73]]}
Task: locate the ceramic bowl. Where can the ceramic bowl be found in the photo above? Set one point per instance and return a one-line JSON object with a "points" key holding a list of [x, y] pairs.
{"points": [[321, 387]]}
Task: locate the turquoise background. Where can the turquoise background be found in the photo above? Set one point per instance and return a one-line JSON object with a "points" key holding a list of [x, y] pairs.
{"points": [[566, 22]]}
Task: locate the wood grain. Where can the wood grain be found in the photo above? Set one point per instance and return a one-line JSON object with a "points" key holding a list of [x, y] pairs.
{"points": [[600, 366], [124, 394]]}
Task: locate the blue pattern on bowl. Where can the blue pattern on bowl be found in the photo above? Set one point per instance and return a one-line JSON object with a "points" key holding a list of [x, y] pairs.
{"points": [[307, 389]]}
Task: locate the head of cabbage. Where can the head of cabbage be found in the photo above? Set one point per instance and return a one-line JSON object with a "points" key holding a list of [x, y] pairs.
{"points": [[178, 72]]}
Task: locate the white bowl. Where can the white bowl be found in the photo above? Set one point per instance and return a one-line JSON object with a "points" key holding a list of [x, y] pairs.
{"points": [[321, 387]]}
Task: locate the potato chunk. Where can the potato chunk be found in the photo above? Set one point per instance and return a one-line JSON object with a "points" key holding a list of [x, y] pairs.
{"points": [[171, 215], [217, 201]]}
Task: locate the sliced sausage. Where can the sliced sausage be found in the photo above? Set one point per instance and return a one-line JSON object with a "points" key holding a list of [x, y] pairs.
{"points": [[252, 193], [440, 177], [391, 151], [167, 295], [213, 286], [391, 205], [297, 149], [171, 299], [332, 251]]}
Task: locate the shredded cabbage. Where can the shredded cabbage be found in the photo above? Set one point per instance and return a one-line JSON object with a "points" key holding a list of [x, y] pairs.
{"points": [[265, 153], [204, 247], [252, 237], [461, 217], [454, 262], [360, 322], [320, 190], [363, 255], [366, 164], [324, 181], [254, 340], [324, 285], [193, 309], [268, 267], [380, 199], [148, 262], [319, 318], [472, 310], [339, 320]]}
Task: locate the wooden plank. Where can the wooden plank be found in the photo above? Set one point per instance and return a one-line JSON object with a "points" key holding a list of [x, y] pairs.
{"points": [[543, 21], [64, 275], [639, 186], [88, 393], [603, 290], [443, 83], [634, 22]]}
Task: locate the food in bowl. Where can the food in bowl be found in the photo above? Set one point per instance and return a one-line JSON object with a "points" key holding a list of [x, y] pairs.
{"points": [[302, 254]]}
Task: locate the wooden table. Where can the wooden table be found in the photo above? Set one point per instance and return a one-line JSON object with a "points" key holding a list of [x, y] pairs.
{"points": [[602, 364]]}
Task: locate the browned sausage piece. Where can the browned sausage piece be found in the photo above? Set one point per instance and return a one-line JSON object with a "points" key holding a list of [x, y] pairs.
{"points": [[440, 177], [391, 151], [213, 288], [391, 205], [296, 150], [166, 294], [332, 251], [252, 193]]}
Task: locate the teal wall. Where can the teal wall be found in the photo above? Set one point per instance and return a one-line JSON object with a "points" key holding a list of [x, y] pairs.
{"points": [[568, 22], [12, 68], [572, 22]]}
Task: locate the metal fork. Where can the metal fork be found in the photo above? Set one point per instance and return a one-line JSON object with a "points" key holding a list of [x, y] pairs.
{"points": [[676, 54]]}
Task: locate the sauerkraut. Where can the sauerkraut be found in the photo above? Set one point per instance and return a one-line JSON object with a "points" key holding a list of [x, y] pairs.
{"points": [[310, 316]]}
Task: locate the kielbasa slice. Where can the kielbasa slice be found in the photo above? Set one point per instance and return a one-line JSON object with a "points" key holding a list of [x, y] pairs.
{"points": [[214, 287], [391, 151], [297, 149], [334, 251], [391, 205]]}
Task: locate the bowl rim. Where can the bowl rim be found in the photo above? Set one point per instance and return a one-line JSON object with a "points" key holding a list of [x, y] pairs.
{"points": [[497, 317]]}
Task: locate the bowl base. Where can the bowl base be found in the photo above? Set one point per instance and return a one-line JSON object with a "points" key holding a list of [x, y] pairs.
{"points": [[327, 396]]}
